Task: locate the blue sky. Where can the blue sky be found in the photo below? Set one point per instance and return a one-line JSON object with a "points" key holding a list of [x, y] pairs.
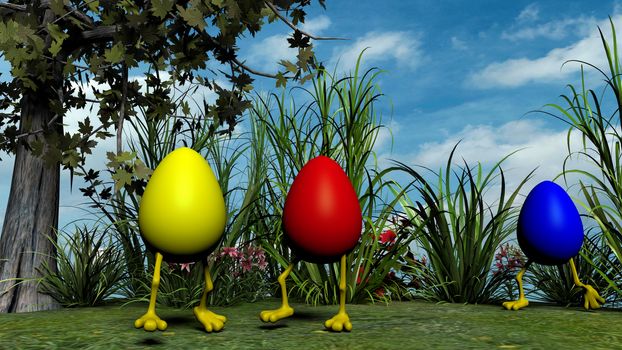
{"points": [[454, 70]]}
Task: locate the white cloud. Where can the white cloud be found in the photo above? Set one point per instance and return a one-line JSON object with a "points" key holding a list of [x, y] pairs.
{"points": [[266, 54], [553, 30], [529, 13], [316, 25], [458, 44], [548, 68], [386, 135], [401, 47], [540, 147]]}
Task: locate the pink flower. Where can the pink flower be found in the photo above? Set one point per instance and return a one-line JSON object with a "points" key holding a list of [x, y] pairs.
{"points": [[387, 236], [186, 266], [262, 264], [231, 252], [247, 264]]}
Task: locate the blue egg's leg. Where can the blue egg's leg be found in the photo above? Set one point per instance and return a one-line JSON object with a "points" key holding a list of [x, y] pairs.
{"points": [[592, 298], [285, 310], [522, 301], [150, 321], [209, 320], [341, 321]]}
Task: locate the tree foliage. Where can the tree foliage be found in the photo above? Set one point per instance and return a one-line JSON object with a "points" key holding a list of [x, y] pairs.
{"points": [[57, 46]]}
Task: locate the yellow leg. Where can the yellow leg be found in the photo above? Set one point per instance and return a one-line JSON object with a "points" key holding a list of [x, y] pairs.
{"points": [[209, 320], [150, 321], [341, 321], [592, 298], [285, 310], [522, 301]]}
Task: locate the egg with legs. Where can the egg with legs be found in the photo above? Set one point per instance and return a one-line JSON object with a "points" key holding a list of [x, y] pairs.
{"points": [[182, 217], [550, 232], [322, 223], [549, 228]]}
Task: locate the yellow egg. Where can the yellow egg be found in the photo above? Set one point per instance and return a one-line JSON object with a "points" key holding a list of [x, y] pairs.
{"points": [[182, 211]]}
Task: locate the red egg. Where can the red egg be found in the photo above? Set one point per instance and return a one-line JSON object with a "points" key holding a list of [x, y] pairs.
{"points": [[322, 217]]}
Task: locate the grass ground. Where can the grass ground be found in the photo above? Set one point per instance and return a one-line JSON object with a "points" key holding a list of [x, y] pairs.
{"points": [[399, 325]]}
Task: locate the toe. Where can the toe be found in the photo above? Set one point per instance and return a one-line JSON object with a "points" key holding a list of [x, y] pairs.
{"points": [[348, 326], [150, 325], [161, 324], [139, 323]]}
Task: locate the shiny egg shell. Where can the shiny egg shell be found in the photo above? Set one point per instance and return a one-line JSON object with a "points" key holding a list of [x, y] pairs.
{"points": [[549, 229], [182, 211], [322, 217]]}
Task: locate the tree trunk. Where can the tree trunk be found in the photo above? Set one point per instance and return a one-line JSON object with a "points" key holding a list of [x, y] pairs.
{"points": [[32, 213]]}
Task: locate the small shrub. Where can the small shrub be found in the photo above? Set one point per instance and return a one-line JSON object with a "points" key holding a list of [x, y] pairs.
{"points": [[87, 273]]}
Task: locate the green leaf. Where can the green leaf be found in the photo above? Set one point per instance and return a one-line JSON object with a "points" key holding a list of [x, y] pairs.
{"points": [[58, 36], [192, 16], [281, 81], [121, 178], [115, 53], [160, 8], [185, 108], [86, 127], [94, 6], [58, 6], [289, 66], [125, 156], [141, 170]]}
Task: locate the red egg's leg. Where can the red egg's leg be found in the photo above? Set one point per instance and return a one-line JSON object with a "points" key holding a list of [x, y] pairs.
{"points": [[592, 299], [209, 320], [150, 321], [522, 301], [285, 310], [341, 321]]}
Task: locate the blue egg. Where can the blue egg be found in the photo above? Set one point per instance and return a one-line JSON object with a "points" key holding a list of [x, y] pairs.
{"points": [[549, 227]]}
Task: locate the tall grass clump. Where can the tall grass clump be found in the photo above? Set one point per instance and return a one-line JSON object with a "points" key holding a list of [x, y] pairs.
{"points": [[597, 117], [89, 270], [460, 231], [337, 119], [555, 283]]}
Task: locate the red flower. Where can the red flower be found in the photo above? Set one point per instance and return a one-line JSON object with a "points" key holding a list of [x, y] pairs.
{"points": [[379, 292], [358, 276], [387, 236]]}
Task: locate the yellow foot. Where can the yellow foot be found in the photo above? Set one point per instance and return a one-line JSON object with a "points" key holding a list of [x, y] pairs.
{"points": [[516, 304], [150, 321], [277, 314], [592, 298], [209, 320], [339, 322]]}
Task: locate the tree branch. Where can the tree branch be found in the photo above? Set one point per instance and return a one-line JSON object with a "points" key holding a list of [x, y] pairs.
{"points": [[45, 4], [293, 26], [253, 71], [102, 32], [122, 111], [73, 12], [12, 8]]}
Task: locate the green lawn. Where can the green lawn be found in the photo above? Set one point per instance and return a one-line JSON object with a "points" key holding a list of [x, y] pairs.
{"points": [[400, 325]]}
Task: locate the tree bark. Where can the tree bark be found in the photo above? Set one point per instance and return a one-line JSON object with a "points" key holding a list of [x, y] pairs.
{"points": [[32, 213]]}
